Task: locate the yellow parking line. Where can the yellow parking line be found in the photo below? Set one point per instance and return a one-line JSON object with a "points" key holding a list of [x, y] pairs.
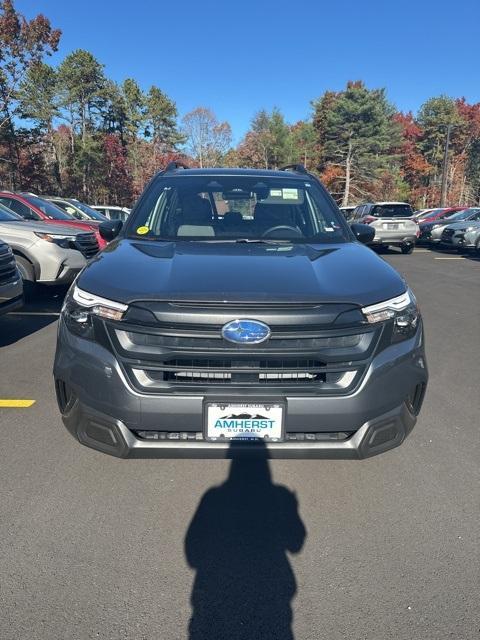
{"points": [[15, 404]]}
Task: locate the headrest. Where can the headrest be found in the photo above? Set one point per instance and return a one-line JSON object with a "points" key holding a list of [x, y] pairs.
{"points": [[196, 210]]}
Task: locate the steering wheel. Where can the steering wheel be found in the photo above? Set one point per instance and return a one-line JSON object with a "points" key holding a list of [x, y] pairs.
{"points": [[282, 227]]}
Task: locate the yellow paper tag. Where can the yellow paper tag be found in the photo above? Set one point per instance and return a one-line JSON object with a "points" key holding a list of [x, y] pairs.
{"points": [[142, 230]]}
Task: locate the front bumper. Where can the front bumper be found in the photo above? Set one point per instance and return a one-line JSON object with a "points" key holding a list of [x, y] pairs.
{"points": [[102, 432], [104, 412], [58, 265], [394, 240]]}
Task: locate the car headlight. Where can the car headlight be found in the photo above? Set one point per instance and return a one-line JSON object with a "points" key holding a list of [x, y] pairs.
{"points": [[56, 238], [403, 310], [80, 306]]}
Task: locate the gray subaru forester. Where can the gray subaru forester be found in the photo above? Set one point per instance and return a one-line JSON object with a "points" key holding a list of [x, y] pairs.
{"points": [[238, 306]]}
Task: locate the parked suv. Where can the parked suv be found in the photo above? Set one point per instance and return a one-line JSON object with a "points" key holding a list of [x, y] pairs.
{"points": [[238, 305], [392, 222], [46, 253], [31, 207], [11, 288]]}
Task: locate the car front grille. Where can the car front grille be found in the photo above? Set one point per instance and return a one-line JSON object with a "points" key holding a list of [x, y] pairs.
{"points": [[186, 351], [8, 267], [87, 244], [245, 372], [447, 235]]}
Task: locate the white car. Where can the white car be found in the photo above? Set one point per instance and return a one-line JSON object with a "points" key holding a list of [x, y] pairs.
{"points": [[392, 222], [112, 212]]}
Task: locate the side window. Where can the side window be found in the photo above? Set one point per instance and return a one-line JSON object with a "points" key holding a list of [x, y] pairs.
{"points": [[23, 210], [359, 212], [73, 212]]}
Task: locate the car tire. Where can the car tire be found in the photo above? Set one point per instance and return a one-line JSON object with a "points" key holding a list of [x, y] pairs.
{"points": [[477, 246], [406, 249], [27, 274]]}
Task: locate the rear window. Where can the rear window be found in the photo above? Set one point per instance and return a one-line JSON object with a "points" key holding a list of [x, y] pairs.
{"points": [[392, 211]]}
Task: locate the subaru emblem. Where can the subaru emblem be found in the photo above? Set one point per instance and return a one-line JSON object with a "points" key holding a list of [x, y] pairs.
{"points": [[246, 331]]}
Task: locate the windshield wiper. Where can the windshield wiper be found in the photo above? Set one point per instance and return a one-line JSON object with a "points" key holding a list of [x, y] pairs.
{"points": [[234, 240]]}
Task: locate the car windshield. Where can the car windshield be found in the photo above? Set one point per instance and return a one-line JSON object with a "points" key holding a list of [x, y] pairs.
{"points": [[8, 216], [237, 208], [91, 213], [463, 215], [392, 211], [49, 209], [430, 214]]}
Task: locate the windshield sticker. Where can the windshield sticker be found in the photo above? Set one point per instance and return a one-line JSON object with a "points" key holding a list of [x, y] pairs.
{"points": [[143, 230], [290, 194], [276, 193]]}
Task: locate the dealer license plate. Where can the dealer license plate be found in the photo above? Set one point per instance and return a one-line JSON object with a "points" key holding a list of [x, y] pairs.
{"points": [[391, 227], [244, 421]]}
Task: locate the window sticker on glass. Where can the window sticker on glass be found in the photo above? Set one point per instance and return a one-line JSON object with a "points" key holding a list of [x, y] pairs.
{"points": [[276, 193], [290, 194]]}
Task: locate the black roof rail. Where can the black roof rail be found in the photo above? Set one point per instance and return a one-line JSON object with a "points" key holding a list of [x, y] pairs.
{"points": [[173, 166], [299, 168]]}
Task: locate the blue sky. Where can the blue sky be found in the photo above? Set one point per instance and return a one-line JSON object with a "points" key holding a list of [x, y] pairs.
{"points": [[238, 56]]}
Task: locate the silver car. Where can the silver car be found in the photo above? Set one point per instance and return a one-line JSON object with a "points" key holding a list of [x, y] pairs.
{"points": [[392, 222], [462, 235], [467, 215], [46, 253]]}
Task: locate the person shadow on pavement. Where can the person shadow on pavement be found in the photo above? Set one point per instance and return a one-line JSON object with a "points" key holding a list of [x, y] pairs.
{"points": [[237, 542]]}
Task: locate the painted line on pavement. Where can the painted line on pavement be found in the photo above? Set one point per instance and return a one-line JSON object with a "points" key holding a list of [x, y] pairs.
{"points": [[452, 258], [16, 404]]}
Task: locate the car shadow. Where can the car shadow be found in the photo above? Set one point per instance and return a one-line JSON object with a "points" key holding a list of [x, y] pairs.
{"points": [[473, 255], [237, 542], [42, 308]]}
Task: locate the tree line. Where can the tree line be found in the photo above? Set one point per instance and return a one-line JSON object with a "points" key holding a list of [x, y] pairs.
{"points": [[70, 130]]}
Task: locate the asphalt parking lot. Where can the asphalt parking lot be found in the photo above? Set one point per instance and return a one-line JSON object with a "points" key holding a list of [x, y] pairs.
{"points": [[96, 547]]}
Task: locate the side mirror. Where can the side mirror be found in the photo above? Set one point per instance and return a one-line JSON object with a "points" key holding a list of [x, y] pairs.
{"points": [[364, 233], [110, 230]]}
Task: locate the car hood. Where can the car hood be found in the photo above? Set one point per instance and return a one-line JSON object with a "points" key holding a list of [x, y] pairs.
{"points": [[128, 271], [85, 226], [41, 227]]}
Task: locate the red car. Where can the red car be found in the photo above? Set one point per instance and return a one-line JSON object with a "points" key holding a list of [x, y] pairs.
{"points": [[31, 207], [437, 214]]}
